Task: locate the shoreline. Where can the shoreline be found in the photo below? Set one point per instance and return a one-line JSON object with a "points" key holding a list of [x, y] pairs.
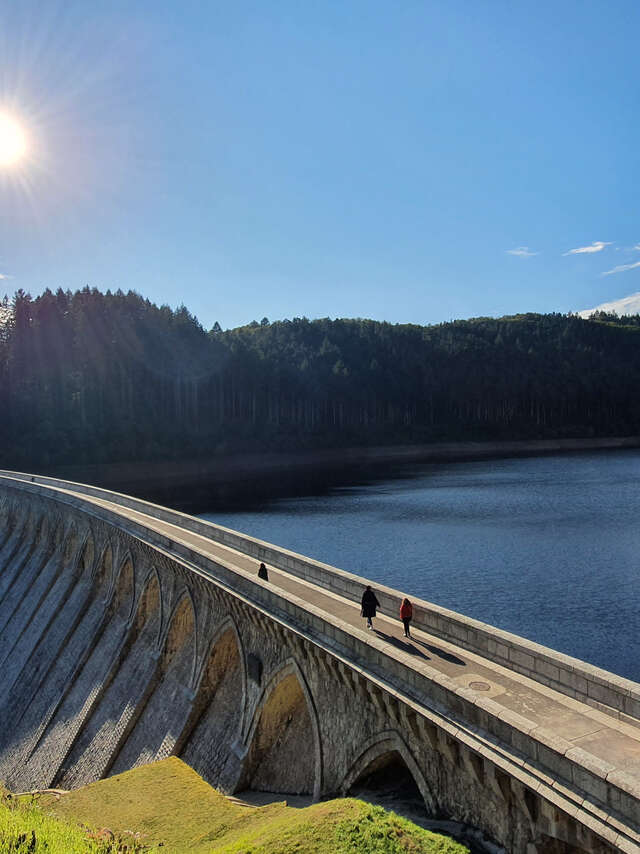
{"points": [[223, 479]]}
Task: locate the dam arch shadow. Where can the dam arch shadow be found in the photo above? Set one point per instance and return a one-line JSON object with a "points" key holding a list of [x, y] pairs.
{"points": [[215, 721], [386, 767], [280, 758]]}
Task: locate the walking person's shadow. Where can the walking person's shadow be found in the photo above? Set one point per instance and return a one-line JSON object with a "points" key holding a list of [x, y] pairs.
{"points": [[402, 645], [442, 653]]}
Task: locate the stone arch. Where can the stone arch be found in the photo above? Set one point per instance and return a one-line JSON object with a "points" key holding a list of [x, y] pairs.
{"points": [[227, 625], [42, 531], [103, 569], [73, 606], [35, 589], [29, 519], [87, 554], [122, 587], [6, 521], [11, 518], [117, 706], [215, 720], [180, 628], [279, 758], [57, 534], [121, 591], [30, 522], [17, 536], [163, 709], [148, 604], [22, 541], [17, 549], [93, 669], [385, 750], [70, 545]]}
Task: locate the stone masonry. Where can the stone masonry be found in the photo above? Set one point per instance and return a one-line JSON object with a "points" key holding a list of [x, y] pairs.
{"points": [[120, 645]]}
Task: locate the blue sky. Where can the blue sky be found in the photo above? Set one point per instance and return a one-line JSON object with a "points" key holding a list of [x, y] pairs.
{"points": [[342, 159]]}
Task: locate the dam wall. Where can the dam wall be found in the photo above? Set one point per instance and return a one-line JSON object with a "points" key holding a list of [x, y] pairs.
{"points": [[584, 682], [123, 640]]}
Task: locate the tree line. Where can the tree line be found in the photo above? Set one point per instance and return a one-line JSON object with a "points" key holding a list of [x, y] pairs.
{"points": [[102, 377]]}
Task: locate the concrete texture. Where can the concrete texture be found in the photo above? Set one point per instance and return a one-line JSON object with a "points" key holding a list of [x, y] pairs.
{"points": [[129, 632]]}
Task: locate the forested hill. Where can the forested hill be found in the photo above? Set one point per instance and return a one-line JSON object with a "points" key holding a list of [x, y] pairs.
{"points": [[92, 377]]}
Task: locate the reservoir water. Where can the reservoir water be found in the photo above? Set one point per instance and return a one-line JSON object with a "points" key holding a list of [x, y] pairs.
{"points": [[547, 547]]}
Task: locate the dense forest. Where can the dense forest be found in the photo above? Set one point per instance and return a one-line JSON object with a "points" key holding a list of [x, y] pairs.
{"points": [[92, 377]]}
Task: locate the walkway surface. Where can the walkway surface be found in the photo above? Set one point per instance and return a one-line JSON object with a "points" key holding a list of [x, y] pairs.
{"points": [[598, 734]]}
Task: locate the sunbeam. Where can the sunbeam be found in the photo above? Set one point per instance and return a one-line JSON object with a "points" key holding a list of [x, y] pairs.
{"points": [[13, 141]]}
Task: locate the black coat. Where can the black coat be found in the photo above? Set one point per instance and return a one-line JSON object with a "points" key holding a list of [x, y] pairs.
{"points": [[369, 603]]}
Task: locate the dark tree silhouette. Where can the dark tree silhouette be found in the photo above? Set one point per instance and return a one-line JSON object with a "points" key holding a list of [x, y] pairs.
{"points": [[92, 377]]}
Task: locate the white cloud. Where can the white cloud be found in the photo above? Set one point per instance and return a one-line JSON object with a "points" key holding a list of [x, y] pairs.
{"points": [[596, 246], [521, 252], [636, 248], [621, 268], [624, 306], [2, 276]]}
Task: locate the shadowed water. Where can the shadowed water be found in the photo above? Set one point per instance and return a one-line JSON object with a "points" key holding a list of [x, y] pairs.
{"points": [[548, 548]]}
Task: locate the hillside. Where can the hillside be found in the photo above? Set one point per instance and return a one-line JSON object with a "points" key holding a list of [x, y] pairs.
{"points": [[167, 807], [94, 378]]}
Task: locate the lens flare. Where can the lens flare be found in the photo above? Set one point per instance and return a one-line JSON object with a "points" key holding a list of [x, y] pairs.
{"points": [[13, 142]]}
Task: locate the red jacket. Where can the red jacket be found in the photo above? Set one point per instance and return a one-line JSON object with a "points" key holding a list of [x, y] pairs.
{"points": [[406, 611]]}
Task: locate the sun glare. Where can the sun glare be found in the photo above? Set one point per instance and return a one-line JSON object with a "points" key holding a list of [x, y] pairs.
{"points": [[13, 142]]}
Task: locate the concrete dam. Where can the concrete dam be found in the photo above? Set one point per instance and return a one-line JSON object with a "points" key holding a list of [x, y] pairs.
{"points": [[130, 632]]}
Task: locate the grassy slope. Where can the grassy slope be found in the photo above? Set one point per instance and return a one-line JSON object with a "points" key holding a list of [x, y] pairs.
{"points": [[18, 829], [27, 829], [169, 803]]}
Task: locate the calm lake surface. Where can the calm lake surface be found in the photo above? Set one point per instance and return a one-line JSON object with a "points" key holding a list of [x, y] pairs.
{"points": [[548, 548]]}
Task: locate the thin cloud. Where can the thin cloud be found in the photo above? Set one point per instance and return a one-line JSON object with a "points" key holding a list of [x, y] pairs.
{"points": [[636, 248], [621, 268], [596, 246], [521, 252], [2, 276]]}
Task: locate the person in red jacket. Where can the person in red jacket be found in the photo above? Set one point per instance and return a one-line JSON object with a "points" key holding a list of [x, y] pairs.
{"points": [[406, 613]]}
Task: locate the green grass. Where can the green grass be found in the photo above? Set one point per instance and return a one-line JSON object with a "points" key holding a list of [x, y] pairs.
{"points": [[27, 829], [344, 826], [173, 811]]}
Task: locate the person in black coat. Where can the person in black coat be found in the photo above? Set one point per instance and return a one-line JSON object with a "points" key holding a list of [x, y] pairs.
{"points": [[369, 603], [262, 572]]}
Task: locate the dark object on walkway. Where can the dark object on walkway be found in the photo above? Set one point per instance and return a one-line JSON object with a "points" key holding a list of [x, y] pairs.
{"points": [[369, 603], [262, 572], [406, 613]]}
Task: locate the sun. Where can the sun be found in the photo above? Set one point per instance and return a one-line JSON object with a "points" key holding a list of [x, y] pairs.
{"points": [[13, 141]]}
